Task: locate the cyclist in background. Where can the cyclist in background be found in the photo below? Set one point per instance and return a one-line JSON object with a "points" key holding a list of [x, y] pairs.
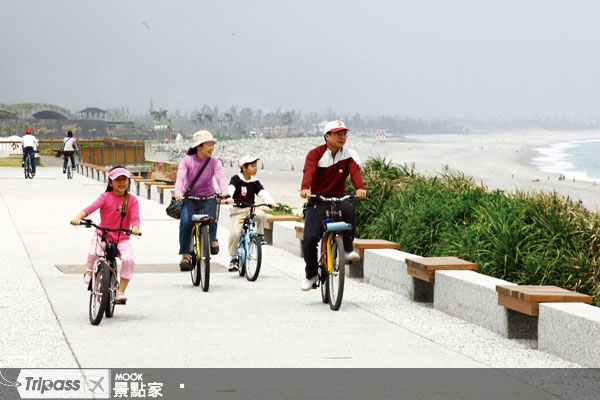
{"points": [[326, 169], [68, 148], [29, 144]]}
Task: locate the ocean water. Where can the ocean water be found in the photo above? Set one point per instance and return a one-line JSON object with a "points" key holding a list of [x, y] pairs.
{"points": [[579, 160]]}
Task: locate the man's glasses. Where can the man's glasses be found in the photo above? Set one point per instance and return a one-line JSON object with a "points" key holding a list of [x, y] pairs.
{"points": [[340, 133]]}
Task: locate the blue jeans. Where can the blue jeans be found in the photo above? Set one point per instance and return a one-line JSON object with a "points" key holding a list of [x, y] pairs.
{"points": [[66, 156], [31, 151], [186, 224], [313, 232]]}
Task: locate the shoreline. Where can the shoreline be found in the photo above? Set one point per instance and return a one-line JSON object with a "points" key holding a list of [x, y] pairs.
{"points": [[497, 160]]}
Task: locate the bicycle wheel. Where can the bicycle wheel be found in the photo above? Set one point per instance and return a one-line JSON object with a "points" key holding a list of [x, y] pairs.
{"points": [[335, 280], [99, 294], [28, 173], [194, 251], [69, 172], [253, 258], [323, 284], [204, 259], [114, 286], [242, 256]]}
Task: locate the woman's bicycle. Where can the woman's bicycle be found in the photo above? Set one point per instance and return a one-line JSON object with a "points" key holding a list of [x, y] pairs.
{"points": [[104, 283], [28, 166], [332, 270], [69, 169], [200, 241], [249, 250]]}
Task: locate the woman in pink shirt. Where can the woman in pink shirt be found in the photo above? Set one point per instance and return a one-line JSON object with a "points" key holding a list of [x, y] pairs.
{"points": [[197, 156], [111, 204]]}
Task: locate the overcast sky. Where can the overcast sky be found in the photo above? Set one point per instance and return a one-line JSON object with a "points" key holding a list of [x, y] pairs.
{"points": [[419, 58]]}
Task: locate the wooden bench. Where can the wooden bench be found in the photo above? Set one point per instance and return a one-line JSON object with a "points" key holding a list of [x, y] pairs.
{"points": [[149, 184], [424, 268], [99, 170], [82, 166], [355, 268], [271, 219], [161, 192], [527, 298], [137, 181]]}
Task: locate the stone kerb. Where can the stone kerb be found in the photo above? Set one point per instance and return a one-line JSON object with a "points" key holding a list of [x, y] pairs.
{"points": [[570, 331], [284, 237], [386, 269], [472, 297]]}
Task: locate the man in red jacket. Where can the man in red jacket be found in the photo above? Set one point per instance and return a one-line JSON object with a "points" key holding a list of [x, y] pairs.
{"points": [[326, 169]]}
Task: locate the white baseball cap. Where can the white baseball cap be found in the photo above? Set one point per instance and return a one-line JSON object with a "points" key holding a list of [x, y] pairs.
{"points": [[248, 159], [334, 126]]}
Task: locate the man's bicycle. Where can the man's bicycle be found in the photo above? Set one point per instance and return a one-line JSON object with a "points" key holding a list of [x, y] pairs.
{"points": [[249, 250], [104, 283], [331, 269], [28, 165], [200, 242]]}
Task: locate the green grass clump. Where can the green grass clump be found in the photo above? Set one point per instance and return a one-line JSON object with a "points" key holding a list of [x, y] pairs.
{"points": [[525, 238]]}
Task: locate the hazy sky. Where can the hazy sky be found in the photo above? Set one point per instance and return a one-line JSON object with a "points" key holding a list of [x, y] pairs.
{"points": [[418, 58]]}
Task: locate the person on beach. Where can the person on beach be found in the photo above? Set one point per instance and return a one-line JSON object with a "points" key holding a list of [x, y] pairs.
{"points": [[118, 209], [29, 145], [198, 163], [244, 188], [326, 169], [68, 148]]}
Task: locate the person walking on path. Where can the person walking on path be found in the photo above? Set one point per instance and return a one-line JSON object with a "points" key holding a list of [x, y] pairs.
{"points": [[68, 148], [326, 169], [198, 163], [245, 187], [29, 145], [118, 209]]}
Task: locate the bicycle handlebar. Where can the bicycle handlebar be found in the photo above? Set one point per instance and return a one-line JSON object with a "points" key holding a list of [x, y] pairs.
{"points": [[245, 204], [88, 223], [320, 197]]}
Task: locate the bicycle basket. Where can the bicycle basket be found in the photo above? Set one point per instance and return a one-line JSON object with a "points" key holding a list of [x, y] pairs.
{"points": [[111, 250]]}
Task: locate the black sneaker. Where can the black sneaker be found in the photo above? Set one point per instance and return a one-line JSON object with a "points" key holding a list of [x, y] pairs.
{"points": [[262, 239], [233, 264]]}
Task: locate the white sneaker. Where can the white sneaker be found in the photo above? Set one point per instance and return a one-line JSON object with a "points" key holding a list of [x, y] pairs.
{"points": [[351, 256], [307, 284]]}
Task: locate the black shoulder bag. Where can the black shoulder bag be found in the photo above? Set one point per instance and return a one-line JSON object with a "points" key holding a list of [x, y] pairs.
{"points": [[174, 207]]}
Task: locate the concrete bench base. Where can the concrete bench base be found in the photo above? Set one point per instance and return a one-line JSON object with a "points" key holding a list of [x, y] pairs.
{"points": [[272, 219], [570, 331]]}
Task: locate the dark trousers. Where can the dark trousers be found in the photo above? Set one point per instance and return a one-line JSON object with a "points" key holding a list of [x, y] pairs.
{"points": [[313, 232]]}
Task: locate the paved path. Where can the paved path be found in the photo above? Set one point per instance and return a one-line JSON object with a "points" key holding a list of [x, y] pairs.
{"points": [[170, 323]]}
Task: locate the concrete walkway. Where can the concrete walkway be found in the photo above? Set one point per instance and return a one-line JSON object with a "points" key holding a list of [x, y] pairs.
{"points": [[167, 322]]}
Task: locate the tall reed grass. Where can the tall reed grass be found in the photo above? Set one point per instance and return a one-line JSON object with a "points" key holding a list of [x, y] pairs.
{"points": [[532, 238]]}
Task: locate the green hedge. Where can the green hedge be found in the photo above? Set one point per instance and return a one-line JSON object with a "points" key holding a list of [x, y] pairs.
{"points": [[531, 238]]}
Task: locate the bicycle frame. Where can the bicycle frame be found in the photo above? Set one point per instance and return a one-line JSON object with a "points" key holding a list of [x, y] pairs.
{"points": [[331, 269], [102, 299], [248, 235], [200, 242]]}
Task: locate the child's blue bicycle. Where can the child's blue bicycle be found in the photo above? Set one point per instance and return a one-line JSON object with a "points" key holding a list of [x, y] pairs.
{"points": [[249, 251]]}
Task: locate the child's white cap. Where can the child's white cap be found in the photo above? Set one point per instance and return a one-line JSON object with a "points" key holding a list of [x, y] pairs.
{"points": [[248, 159]]}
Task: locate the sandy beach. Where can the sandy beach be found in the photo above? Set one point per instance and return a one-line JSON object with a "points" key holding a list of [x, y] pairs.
{"points": [[499, 160]]}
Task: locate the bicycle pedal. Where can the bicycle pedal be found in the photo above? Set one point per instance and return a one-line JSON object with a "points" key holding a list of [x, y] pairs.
{"points": [[314, 286]]}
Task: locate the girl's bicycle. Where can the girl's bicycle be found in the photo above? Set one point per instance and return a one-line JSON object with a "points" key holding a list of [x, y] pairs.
{"points": [[28, 166], [332, 270], [200, 242], [104, 283], [249, 250]]}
